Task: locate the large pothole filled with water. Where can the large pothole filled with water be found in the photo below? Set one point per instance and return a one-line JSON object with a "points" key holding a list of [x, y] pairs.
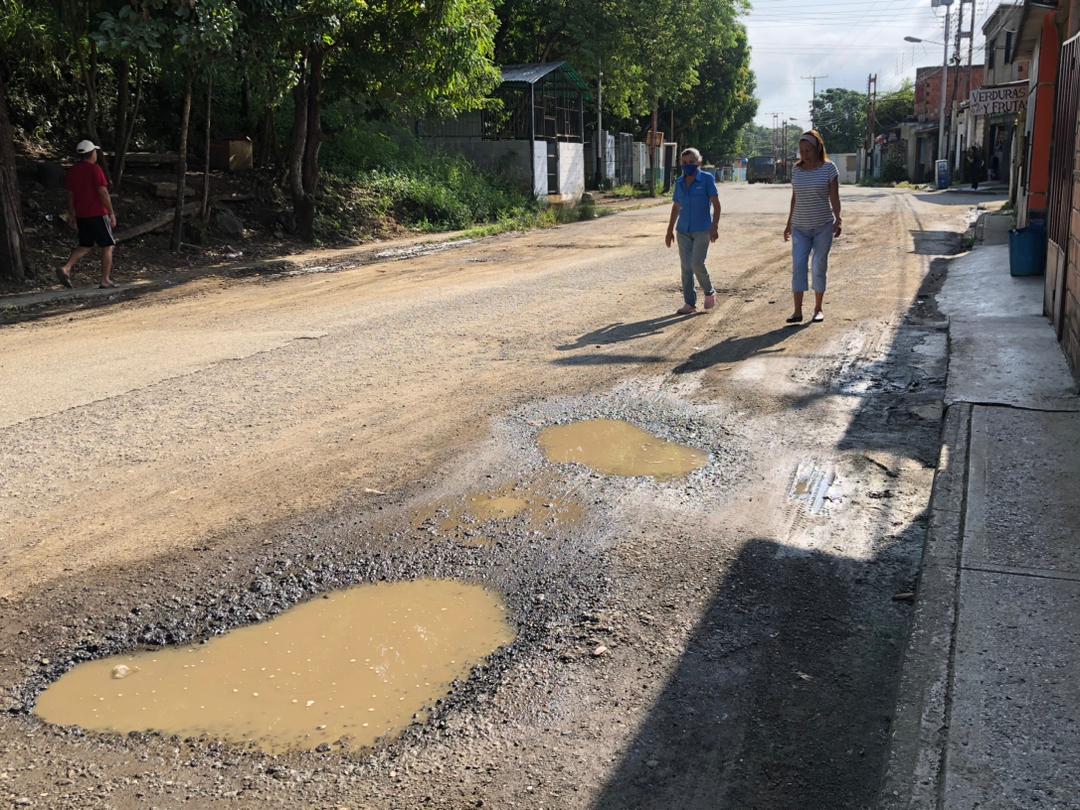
{"points": [[354, 665], [615, 447]]}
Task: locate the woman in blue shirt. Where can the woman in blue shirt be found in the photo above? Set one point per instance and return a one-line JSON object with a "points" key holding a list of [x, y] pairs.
{"points": [[695, 193]]}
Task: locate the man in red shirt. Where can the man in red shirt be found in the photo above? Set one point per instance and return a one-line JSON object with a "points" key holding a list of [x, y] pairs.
{"points": [[90, 211]]}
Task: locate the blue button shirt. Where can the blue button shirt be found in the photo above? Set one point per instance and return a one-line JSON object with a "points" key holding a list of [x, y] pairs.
{"points": [[695, 213]]}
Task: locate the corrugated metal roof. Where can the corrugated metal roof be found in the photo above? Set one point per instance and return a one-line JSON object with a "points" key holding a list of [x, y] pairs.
{"points": [[531, 74]]}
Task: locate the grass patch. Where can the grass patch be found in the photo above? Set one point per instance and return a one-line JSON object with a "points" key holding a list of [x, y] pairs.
{"points": [[628, 192], [380, 181], [551, 217]]}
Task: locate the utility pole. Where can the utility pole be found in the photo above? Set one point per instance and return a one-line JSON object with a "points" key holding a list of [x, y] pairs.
{"points": [[871, 121], [813, 98], [951, 136], [601, 137], [944, 78], [970, 34]]}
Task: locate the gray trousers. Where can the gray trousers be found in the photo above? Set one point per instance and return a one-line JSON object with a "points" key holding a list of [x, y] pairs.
{"points": [[693, 248]]}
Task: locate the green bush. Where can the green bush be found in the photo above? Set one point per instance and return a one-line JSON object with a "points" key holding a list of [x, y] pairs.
{"points": [[894, 170], [393, 176]]}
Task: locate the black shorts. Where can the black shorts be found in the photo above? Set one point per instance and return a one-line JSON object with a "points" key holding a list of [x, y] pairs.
{"points": [[95, 231]]}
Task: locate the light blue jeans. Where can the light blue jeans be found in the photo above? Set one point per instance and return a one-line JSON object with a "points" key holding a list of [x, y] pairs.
{"points": [[804, 242], [693, 248]]}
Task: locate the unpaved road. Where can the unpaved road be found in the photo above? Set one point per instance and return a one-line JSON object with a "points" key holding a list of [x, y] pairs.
{"points": [[204, 457]]}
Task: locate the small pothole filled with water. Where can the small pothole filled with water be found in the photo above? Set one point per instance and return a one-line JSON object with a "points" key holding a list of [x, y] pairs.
{"points": [[614, 447], [354, 665]]}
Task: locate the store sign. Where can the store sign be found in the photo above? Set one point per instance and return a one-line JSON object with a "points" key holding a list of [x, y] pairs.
{"points": [[1004, 99]]}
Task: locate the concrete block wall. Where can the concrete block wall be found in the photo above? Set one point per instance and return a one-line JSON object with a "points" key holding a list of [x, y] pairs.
{"points": [[511, 159], [1071, 336]]}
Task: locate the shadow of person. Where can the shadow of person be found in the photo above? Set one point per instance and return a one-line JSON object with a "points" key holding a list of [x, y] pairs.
{"points": [[620, 332], [735, 349]]}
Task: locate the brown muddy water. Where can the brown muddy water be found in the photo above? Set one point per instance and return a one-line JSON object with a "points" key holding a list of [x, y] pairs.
{"points": [[356, 664], [497, 507], [614, 447]]}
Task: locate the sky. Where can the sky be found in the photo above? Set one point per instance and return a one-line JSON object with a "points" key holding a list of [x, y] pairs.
{"points": [[845, 41]]}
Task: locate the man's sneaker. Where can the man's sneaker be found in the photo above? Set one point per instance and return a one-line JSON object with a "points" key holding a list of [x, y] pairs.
{"points": [[686, 310], [710, 301]]}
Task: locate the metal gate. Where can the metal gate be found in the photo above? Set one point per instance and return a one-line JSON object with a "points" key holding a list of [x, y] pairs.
{"points": [[1061, 169]]}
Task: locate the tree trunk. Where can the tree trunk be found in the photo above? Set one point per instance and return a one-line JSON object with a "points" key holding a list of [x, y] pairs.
{"points": [[12, 258], [652, 151], [123, 92], [204, 208], [181, 165], [301, 203], [129, 132], [313, 142], [245, 103]]}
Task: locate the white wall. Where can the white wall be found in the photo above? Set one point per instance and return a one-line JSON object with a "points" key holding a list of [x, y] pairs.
{"points": [[571, 171], [641, 162], [540, 178], [847, 164]]}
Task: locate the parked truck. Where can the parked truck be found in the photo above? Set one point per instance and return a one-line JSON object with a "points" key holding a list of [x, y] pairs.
{"points": [[761, 169]]}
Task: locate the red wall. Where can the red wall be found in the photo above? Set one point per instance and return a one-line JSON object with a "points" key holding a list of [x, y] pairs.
{"points": [[928, 89]]}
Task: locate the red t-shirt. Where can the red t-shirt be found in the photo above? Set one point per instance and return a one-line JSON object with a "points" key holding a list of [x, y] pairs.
{"points": [[83, 181]]}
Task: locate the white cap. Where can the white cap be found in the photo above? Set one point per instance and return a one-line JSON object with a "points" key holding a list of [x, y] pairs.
{"points": [[86, 147]]}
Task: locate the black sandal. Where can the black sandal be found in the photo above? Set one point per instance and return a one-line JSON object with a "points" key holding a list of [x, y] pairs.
{"points": [[794, 319], [64, 279]]}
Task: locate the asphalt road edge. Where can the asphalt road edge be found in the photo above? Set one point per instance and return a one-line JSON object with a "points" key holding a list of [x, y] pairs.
{"points": [[915, 763]]}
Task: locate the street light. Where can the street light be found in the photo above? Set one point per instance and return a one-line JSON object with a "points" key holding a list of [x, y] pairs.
{"points": [[924, 41]]}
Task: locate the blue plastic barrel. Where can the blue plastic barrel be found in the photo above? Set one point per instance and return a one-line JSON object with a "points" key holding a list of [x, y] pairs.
{"points": [[1027, 249], [942, 178]]}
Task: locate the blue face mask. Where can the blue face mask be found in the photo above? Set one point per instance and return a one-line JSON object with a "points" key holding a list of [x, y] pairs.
{"points": [[690, 170]]}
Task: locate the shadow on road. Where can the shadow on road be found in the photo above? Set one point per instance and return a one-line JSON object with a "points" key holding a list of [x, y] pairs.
{"points": [[620, 332], [735, 349], [607, 360], [965, 197], [783, 696]]}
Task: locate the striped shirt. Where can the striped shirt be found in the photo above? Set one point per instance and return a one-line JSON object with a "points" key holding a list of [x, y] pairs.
{"points": [[812, 208]]}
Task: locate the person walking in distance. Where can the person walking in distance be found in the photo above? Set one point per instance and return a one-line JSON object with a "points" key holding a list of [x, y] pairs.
{"points": [[813, 221], [695, 193], [90, 212]]}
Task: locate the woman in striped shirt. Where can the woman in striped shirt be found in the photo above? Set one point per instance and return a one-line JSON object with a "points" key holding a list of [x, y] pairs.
{"points": [[813, 221]]}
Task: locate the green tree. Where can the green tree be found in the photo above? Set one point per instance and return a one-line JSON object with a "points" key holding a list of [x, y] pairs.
{"points": [[202, 30], [355, 49], [131, 37], [713, 113], [754, 140], [840, 116], [896, 107], [24, 29]]}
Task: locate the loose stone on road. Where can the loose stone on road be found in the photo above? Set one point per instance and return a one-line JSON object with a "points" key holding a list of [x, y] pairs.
{"points": [[190, 466]]}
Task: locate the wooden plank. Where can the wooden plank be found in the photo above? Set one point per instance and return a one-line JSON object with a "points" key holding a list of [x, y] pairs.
{"points": [[166, 217], [166, 189], [158, 222], [149, 158]]}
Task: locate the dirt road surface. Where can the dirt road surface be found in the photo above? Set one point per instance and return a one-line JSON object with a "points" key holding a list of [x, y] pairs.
{"points": [[207, 456]]}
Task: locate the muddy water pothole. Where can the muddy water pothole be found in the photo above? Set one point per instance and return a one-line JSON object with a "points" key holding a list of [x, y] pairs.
{"points": [[614, 447], [476, 519], [356, 664]]}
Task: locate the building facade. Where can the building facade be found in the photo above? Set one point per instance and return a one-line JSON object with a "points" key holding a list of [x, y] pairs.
{"points": [[1048, 35]]}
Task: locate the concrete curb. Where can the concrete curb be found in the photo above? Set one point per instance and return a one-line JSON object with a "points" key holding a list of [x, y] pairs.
{"points": [[913, 771]]}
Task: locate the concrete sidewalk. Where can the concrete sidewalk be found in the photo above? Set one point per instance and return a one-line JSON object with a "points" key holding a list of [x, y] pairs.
{"points": [[988, 714]]}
